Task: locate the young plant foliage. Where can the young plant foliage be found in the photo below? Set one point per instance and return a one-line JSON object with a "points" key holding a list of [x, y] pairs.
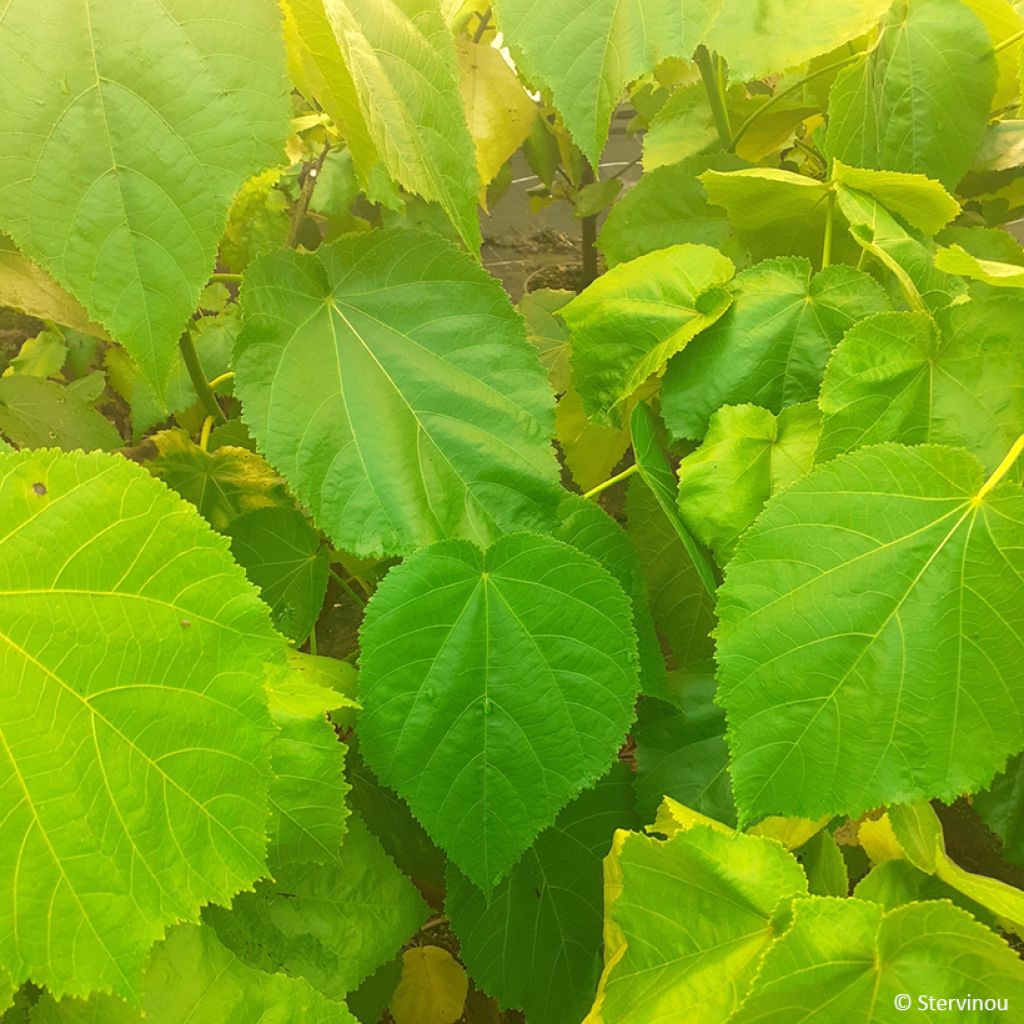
{"points": [[499, 654], [133, 129], [511, 512], [134, 719], [832, 648], [389, 380]]}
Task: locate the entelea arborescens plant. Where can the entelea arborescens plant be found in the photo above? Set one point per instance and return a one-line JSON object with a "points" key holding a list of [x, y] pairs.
{"points": [[373, 649]]}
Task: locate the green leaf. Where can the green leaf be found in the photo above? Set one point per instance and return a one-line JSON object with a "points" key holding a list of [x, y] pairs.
{"points": [[307, 795], [918, 833], [681, 605], [773, 211], [390, 381], [1001, 807], [259, 221], [591, 451], [388, 817], [133, 129], [749, 454], [28, 288], [281, 553], [695, 913], [923, 203], [370, 1000], [548, 334], [772, 346], [921, 99], [762, 37], [633, 319], [893, 883], [42, 355], [223, 484], [135, 777], [1003, 21], [878, 386], [984, 243], [482, 709], [956, 380], [610, 43], [681, 751], [954, 259], [319, 72], [192, 977], [907, 256], [332, 924], [536, 943], [596, 198], [389, 70], [655, 472], [588, 528], [682, 128], [666, 207], [844, 688], [36, 413], [865, 958], [824, 865]]}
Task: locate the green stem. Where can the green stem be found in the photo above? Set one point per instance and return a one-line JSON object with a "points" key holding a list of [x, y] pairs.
{"points": [[357, 598], [712, 74], [830, 217], [788, 91], [624, 475], [198, 378], [225, 279], [1008, 42]]}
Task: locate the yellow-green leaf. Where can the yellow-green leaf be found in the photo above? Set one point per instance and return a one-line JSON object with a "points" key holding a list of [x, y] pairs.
{"points": [[432, 989]]}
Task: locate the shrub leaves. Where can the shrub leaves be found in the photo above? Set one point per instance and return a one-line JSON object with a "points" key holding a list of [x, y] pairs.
{"points": [[772, 346], [389, 380], [134, 776], [496, 685], [631, 321], [126, 133], [871, 634]]}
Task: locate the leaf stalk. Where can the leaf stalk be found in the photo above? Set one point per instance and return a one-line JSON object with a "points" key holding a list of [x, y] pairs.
{"points": [[1008, 42], [713, 75], [788, 91], [1002, 469], [611, 481], [830, 217], [198, 378]]}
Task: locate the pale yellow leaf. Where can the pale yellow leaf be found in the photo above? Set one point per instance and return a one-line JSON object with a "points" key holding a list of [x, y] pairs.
{"points": [[432, 989], [499, 113]]}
